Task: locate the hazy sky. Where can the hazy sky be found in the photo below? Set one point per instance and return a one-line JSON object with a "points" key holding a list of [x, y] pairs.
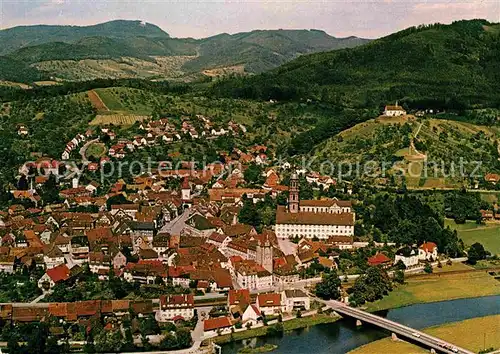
{"points": [[202, 18]]}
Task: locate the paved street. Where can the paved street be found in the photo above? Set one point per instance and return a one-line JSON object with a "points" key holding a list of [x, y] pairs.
{"points": [[84, 148], [175, 226], [287, 246]]}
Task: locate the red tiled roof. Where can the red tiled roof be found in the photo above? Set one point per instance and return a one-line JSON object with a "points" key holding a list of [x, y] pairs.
{"points": [[59, 273], [428, 247], [269, 299], [492, 177], [186, 300], [236, 296], [256, 310], [378, 259], [216, 323]]}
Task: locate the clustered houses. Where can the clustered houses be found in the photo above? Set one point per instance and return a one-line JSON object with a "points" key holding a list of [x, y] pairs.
{"points": [[249, 313], [71, 145], [208, 247], [77, 312]]}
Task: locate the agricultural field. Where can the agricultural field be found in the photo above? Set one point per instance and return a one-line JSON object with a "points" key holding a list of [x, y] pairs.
{"points": [[14, 84], [488, 234], [475, 334], [117, 119], [96, 101], [46, 83], [439, 287]]}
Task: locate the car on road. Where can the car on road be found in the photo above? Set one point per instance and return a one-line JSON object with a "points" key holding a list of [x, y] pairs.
{"points": [[415, 334]]}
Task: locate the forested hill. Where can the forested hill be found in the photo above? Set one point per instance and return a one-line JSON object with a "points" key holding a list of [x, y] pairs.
{"points": [[446, 65], [23, 36], [104, 48]]}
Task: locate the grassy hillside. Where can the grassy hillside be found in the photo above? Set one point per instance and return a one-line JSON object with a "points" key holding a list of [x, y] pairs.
{"points": [[439, 65], [23, 36], [89, 69], [406, 143]]}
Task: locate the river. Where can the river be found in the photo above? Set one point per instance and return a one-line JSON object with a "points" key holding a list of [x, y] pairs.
{"points": [[343, 335]]}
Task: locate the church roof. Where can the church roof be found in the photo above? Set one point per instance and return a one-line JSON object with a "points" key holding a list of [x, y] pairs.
{"points": [[325, 203], [310, 218]]}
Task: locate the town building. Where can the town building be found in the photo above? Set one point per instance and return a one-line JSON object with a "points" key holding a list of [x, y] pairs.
{"points": [[175, 307], [408, 255], [428, 251], [394, 111], [313, 218], [252, 276], [270, 303], [294, 299]]}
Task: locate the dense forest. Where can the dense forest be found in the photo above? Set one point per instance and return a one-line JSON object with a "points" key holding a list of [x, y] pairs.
{"points": [[453, 66]]}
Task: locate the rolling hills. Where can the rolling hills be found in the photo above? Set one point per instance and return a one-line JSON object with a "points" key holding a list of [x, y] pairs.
{"points": [[260, 50], [449, 66], [47, 48]]}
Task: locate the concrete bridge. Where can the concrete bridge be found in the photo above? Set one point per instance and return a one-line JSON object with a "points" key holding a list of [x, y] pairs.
{"points": [[416, 336]]}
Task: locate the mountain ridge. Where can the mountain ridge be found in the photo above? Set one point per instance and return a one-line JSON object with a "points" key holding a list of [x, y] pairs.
{"points": [[19, 37], [254, 52]]}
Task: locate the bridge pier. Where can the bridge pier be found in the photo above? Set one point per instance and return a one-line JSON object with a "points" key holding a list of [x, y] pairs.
{"points": [[394, 337], [358, 323], [433, 351]]}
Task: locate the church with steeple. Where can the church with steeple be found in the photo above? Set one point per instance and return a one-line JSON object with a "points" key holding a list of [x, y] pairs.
{"points": [[313, 218]]}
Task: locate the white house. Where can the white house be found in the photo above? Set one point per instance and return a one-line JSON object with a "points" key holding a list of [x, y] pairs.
{"points": [[428, 251], [175, 307], [54, 276], [53, 257], [295, 299], [409, 256], [7, 264], [394, 111], [253, 276], [270, 303], [221, 325], [251, 315]]}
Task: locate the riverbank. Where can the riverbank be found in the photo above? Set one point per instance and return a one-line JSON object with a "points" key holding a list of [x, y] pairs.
{"points": [[289, 325], [475, 334], [438, 287]]}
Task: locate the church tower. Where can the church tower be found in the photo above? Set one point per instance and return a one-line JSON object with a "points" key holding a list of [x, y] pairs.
{"points": [[185, 191], [293, 198], [265, 254]]}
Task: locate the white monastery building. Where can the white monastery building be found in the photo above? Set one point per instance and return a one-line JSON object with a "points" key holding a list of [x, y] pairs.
{"points": [[313, 218]]}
